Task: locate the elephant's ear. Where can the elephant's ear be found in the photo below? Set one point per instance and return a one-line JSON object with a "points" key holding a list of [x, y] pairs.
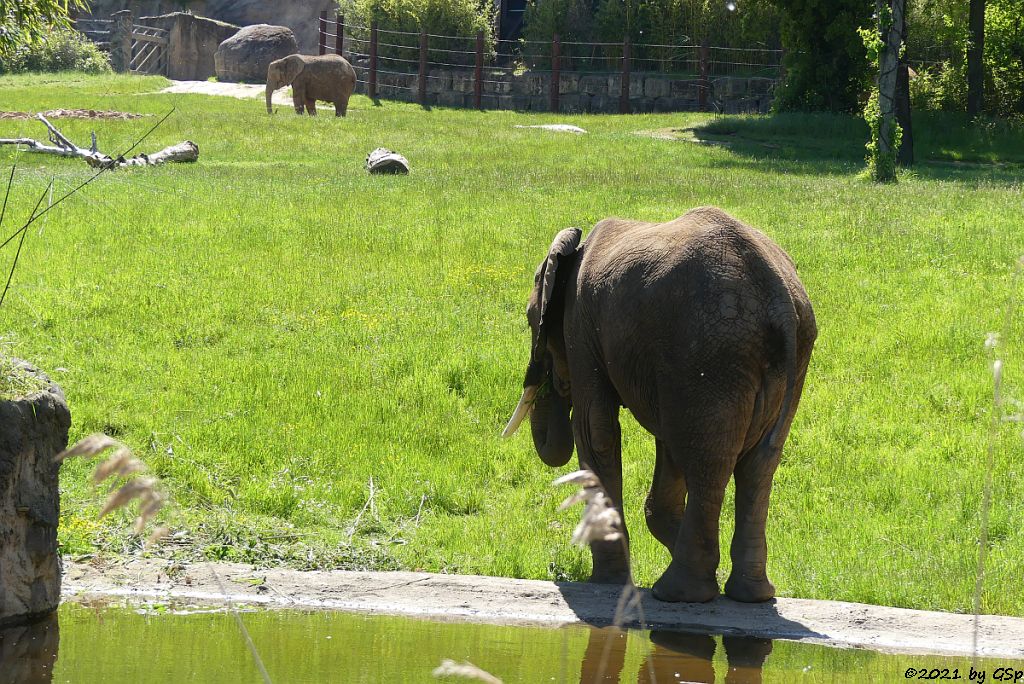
{"points": [[564, 245], [291, 68]]}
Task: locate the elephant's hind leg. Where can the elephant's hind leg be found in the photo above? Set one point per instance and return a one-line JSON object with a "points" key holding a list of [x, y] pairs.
{"points": [[665, 502], [748, 581], [341, 107]]}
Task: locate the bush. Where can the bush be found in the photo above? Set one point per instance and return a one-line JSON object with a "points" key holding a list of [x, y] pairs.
{"points": [[62, 49], [826, 63], [937, 47], [462, 18]]}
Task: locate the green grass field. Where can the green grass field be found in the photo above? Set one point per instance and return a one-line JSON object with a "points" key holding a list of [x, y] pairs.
{"points": [[271, 328]]}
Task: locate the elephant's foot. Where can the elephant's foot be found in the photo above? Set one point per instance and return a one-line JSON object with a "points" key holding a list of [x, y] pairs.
{"points": [[748, 589], [674, 587], [617, 576]]}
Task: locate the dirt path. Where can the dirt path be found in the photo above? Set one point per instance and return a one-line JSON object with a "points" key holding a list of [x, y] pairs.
{"points": [[239, 90], [510, 601]]}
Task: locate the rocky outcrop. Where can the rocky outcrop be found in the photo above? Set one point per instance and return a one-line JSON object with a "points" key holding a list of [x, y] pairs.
{"points": [[33, 431], [300, 16], [246, 55]]}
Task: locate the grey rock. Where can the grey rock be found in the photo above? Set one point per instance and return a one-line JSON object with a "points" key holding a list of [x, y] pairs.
{"points": [[246, 55]]}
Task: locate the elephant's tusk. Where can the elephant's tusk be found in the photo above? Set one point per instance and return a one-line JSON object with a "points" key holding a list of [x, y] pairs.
{"points": [[525, 403]]}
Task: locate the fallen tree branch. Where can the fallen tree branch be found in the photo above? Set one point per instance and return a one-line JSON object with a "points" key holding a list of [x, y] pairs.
{"points": [[186, 151]]}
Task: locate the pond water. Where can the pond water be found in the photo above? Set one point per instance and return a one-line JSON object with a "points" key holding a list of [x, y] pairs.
{"points": [[161, 643]]}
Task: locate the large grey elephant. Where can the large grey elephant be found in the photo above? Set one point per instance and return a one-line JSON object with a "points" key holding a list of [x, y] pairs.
{"points": [[325, 77], [702, 329]]}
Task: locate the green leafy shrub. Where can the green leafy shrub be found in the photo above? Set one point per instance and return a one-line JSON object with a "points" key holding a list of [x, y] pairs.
{"points": [[937, 44], [461, 18], [826, 68], [62, 49]]}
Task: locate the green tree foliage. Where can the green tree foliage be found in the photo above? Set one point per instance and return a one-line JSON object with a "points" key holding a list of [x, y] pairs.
{"points": [[665, 23], [437, 17], [24, 22], [937, 47], [826, 68], [61, 49]]}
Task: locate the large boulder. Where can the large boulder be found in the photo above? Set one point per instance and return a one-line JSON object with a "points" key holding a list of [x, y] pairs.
{"points": [[246, 55], [33, 430]]}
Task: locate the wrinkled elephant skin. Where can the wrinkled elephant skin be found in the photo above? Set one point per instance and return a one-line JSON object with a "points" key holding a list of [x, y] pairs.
{"points": [[327, 77], [702, 329]]}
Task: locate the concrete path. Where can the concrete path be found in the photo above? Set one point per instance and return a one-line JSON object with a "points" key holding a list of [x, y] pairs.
{"points": [[511, 601]]}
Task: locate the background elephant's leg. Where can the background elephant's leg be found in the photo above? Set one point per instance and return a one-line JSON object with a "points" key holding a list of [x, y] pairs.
{"points": [[664, 506], [707, 467], [599, 447], [311, 107]]}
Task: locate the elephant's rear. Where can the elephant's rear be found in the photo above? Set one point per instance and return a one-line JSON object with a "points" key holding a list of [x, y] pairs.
{"points": [[707, 320]]}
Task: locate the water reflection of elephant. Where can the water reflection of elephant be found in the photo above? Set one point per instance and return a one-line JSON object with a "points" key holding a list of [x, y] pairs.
{"points": [[675, 656], [28, 653]]}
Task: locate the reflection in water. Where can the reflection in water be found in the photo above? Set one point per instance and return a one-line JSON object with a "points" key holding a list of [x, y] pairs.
{"points": [[28, 653], [675, 657]]}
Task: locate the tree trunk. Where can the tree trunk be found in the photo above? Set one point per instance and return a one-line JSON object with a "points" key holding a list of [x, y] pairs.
{"points": [[905, 156], [888, 67], [33, 431], [975, 62]]}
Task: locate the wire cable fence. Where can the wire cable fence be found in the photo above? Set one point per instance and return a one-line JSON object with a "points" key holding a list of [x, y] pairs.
{"points": [[475, 71]]}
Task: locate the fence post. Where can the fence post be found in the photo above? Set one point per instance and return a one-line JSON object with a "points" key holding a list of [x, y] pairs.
{"points": [[705, 82], [121, 41], [371, 86], [556, 73], [421, 96], [478, 82], [339, 41], [322, 31], [627, 46]]}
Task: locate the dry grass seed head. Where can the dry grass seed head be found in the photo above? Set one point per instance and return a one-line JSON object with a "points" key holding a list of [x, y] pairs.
{"points": [[89, 446], [140, 486], [467, 670], [120, 463], [601, 521]]}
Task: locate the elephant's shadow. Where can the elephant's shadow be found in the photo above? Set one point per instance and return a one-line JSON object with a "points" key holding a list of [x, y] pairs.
{"points": [[680, 635]]}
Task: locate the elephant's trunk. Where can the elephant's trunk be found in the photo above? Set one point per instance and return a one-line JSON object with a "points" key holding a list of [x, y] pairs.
{"points": [[270, 93], [552, 431]]}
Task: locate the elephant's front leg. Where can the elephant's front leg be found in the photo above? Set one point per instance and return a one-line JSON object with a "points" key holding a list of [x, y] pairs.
{"points": [[298, 100], [595, 424]]}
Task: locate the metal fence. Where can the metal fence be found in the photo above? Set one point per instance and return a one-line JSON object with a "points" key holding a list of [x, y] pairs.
{"points": [[381, 53]]}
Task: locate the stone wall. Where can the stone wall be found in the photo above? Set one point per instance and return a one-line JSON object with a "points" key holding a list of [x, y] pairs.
{"points": [[192, 42], [301, 16], [590, 92]]}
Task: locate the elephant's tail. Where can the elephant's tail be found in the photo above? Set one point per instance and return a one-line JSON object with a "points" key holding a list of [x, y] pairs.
{"points": [[787, 321]]}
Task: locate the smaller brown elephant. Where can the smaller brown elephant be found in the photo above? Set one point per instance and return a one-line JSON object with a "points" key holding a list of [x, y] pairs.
{"points": [[325, 77]]}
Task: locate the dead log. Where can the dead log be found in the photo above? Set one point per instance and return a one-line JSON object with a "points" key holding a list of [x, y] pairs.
{"points": [[186, 151]]}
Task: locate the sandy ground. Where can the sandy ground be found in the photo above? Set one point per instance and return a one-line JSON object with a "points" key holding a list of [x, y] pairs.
{"points": [[239, 90], [511, 601]]}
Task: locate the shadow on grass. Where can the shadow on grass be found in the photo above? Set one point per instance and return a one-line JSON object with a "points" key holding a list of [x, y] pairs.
{"points": [[946, 146]]}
